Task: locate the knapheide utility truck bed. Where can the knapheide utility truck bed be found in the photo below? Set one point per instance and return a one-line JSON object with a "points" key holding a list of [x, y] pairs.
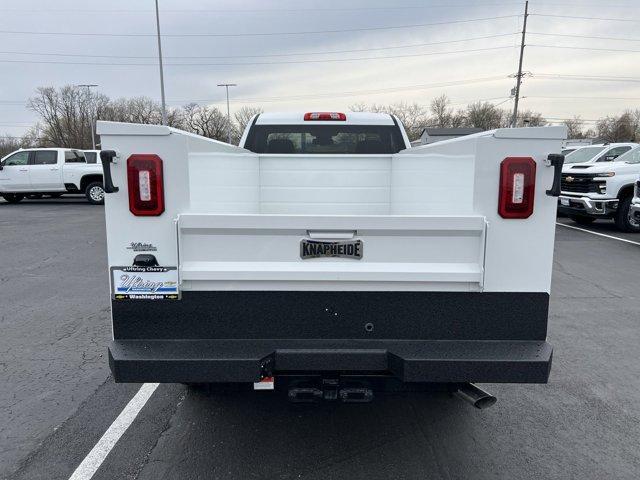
{"points": [[430, 264]]}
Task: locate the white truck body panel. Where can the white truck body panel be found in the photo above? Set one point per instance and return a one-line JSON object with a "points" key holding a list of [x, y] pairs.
{"points": [[428, 215], [438, 287]]}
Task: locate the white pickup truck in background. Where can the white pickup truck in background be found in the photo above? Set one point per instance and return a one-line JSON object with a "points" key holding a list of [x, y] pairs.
{"points": [[49, 171], [603, 189], [326, 254]]}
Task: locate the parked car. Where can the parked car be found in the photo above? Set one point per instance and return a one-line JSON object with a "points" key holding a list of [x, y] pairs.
{"points": [[592, 190], [327, 254], [53, 172], [604, 152]]}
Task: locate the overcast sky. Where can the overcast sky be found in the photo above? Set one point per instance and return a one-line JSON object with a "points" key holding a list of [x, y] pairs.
{"points": [[275, 80]]}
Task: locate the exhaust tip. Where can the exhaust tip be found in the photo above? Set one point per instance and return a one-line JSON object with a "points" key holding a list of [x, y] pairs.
{"points": [[485, 402], [475, 396]]}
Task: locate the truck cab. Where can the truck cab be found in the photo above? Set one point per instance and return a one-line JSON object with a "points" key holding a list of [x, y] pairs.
{"points": [[324, 253], [319, 133], [49, 171]]}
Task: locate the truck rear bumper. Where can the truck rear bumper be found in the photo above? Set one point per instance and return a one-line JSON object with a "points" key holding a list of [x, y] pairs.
{"points": [[202, 361]]}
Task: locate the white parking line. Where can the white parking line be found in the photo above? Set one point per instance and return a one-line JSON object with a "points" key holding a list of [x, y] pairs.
{"points": [[599, 234], [99, 452]]}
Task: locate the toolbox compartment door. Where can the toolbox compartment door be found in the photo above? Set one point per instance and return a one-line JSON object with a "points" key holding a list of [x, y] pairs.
{"points": [[263, 252]]}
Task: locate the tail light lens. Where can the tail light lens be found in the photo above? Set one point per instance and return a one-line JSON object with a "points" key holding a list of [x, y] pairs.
{"points": [[517, 187], [146, 185], [335, 116]]}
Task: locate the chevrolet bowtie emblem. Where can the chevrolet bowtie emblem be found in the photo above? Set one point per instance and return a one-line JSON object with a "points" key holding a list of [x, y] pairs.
{"points": [[569, 179]]}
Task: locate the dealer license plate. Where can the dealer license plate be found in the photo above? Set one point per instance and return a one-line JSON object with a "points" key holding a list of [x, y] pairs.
{"points": [[564, 201], [144, 283]]}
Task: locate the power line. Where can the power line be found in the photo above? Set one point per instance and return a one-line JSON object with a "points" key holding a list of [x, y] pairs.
{"points": [[328, 52], [585, 36], [306, 96], [597, 49], [356, 92], [633, 20], [331, 60], [269, 10], [594, 97], [598, 78], [257, 34]]}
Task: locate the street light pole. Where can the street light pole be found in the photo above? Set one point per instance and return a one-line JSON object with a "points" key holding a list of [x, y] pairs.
{"points": [[164, 106], [227, 85], [89, 86]]}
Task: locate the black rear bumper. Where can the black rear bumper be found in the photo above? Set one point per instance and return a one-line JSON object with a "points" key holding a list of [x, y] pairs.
{"points": [[504, 361]]}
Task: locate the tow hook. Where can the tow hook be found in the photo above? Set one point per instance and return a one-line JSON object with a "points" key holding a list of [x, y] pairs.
{"points": [[475, 396]]}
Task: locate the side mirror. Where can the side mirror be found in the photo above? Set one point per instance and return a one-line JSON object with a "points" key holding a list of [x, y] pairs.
{"points": [[1, 166]]}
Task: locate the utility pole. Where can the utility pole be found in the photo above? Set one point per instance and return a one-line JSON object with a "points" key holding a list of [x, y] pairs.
{"points": [[89, 86], [164, 105], [514, 120], [227, 85]]}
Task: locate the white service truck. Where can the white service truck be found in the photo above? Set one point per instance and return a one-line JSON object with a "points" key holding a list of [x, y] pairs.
{"points": [[49, 171], [604, 190], [326, 257]]}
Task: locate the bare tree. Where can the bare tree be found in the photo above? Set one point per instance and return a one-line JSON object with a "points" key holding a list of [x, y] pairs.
{"points": [[575, 127], [242, 118], [358, 107], [529, 118], [442, 114], [413, 116], [65, 114], [484, 115], [623, 128], [8, 144], [245, 114], [207, 121]]}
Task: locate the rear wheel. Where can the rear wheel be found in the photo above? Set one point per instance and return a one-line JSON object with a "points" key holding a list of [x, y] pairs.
{"points": [[95, 193], [580, 220], [12, 197], [624, 219]]}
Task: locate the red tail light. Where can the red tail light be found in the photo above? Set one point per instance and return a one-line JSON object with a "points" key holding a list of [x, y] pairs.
{"points": [[335, 116], [146, 186], [517, 187]]}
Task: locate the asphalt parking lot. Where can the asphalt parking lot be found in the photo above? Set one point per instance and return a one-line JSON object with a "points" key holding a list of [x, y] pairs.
{"points": [[57, 397]]}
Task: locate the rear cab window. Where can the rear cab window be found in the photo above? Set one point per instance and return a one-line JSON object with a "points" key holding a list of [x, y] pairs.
{"points": [[91, 157], [325, 139], [74, 156]]}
